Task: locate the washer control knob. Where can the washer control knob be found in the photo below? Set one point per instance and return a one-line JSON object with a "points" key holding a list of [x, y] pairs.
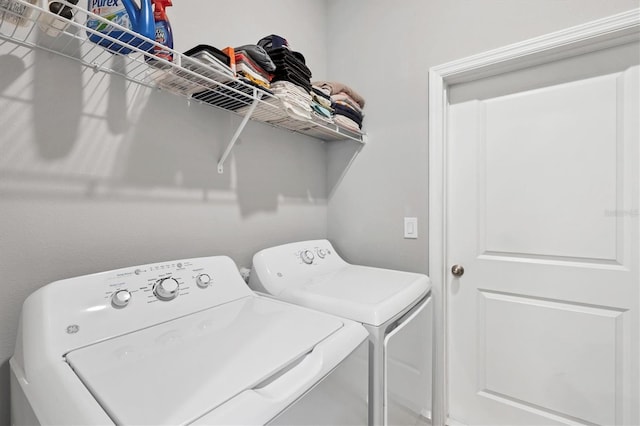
{"points": [[121, 298], [166, 289], [203, 280], [307, 257], [321, 253]]}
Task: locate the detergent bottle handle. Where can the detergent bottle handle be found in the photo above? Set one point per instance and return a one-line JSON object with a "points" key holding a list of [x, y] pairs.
{"points": [[147, 24], [133, 12], [141, 17]]}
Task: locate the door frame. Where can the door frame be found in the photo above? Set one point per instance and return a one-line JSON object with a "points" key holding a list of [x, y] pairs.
{"points": [[592, 36]]}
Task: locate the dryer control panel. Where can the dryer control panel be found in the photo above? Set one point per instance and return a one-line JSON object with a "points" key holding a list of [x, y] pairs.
{"points": [[313, 253], [278, 268]]}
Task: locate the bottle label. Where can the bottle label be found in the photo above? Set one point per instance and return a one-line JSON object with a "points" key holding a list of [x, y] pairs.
{"points": [[111, 10], [161, 34], [164, 38]]}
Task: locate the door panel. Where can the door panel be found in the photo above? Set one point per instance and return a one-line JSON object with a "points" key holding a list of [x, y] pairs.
{"points": [[528, 361], [542, 190], [558, 149]]}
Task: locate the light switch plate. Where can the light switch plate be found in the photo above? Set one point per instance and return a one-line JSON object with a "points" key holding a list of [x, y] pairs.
{"points": [[411, 227]]}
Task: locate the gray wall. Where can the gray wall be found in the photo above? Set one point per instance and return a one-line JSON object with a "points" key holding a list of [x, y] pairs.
{"points": [[384, 50], [97, 173]]}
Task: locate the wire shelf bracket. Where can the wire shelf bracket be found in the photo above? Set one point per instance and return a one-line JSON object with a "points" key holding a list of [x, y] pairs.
{"points": [[236, 135]]}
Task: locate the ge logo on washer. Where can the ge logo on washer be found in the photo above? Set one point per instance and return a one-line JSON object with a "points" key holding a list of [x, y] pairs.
{"points": [[73, 328]]}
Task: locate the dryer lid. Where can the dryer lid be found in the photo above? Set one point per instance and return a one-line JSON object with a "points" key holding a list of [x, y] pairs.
{"points": [[176, 372], [361, 293]]}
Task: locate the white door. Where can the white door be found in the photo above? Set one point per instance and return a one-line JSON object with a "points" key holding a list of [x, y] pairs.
{"points": [[543, 191]]}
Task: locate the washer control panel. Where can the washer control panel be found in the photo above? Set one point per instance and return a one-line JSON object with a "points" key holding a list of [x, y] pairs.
{"points": [[203, 280], [90, 308], [120, 298], [159, 283], [166, 288]]}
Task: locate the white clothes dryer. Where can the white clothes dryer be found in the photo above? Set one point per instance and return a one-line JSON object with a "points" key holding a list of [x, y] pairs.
{"points": [[181, 342], [394, 306]]}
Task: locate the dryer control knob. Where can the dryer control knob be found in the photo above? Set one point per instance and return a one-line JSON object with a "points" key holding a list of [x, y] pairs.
{"points": [[121, 298], [321, 253], [203, 280], [166, 289], [307, 257]]}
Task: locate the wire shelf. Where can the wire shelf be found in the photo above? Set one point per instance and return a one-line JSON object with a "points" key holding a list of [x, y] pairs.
{"points": [[26, 23]]}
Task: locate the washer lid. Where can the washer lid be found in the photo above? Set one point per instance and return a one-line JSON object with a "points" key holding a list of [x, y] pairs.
{"points": [[176, 372], [361, 293]]}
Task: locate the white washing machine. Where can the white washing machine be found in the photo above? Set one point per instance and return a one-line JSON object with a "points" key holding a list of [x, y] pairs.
{"points": [[394, 306], [182, 342]]}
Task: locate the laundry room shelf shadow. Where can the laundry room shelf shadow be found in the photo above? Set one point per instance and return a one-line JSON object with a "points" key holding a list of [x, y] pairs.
{"points": [[32, 26]]}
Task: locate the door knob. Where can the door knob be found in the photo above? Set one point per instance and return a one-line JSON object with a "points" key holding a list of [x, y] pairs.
{"points": [[457, 270]]}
